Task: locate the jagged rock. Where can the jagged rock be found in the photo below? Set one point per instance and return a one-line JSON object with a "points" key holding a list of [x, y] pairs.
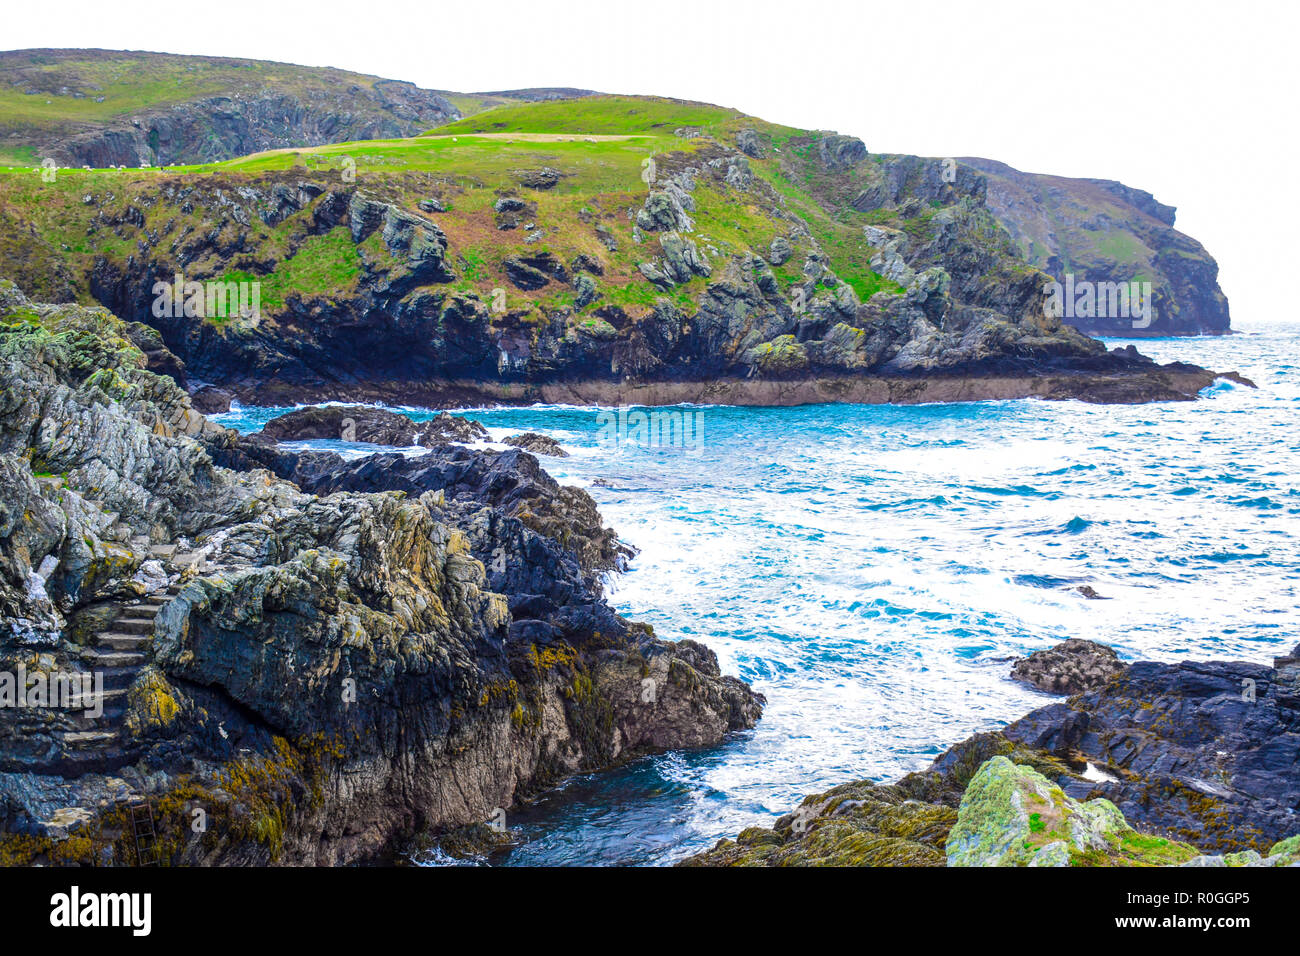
{"points": [[840, 152], [158, 357], [1196, 757], [585, 291], [1203, 750], [782, 355], [668, 209], [511, 211], [1070, 667], [780, 252], [524, 276], [739, 175], [682, 259], [537, 444]]}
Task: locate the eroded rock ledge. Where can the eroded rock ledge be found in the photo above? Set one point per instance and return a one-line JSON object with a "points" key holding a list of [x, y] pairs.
{"points": [[325, 674]]}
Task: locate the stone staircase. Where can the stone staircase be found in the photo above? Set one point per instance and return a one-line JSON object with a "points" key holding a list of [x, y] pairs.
{"points": [[119, 653]]}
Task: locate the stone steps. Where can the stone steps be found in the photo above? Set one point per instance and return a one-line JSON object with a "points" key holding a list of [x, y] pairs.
{"points": [[113, 703], [119, 676], [123, 641], [118, 654], [98, 658]]}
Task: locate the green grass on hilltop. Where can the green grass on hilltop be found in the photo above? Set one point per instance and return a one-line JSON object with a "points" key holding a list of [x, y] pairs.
{"points": [[596, 115]]}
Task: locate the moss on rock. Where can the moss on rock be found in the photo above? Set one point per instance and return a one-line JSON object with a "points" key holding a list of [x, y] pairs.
{"points": [[1012, 815]]}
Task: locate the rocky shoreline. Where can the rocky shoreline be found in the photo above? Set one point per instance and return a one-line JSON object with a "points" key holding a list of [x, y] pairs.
{"points": [[1175, 382], [310, 672], [1147, 764]]}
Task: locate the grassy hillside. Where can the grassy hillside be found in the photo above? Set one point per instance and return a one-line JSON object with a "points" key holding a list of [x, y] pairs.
{"points": [[598, 146], [48, 97]]}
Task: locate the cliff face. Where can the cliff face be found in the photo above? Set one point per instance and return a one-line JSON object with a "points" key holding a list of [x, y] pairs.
{"points": [[316, 677], [105, 108], [1103, 231]]}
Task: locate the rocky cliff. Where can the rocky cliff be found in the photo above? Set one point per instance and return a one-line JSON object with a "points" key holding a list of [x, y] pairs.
{"points": [[699, 255], [1101, 231], [286, 676]]}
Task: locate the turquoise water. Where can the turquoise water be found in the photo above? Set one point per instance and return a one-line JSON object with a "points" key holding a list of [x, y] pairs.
{"points": [[873, 570]]}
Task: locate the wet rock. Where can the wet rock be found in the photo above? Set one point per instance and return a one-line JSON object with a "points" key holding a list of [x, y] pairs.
{"points": [[1202, 751], [537, 444], [376, 425], [1070, 667], [1166, 764]]}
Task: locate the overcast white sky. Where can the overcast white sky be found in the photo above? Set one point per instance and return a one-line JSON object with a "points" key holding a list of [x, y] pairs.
{"points": [[1193, 101]]}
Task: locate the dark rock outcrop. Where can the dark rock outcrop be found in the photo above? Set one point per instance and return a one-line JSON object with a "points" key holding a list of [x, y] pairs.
{"points": [[1204, 751], [375, 425]]}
